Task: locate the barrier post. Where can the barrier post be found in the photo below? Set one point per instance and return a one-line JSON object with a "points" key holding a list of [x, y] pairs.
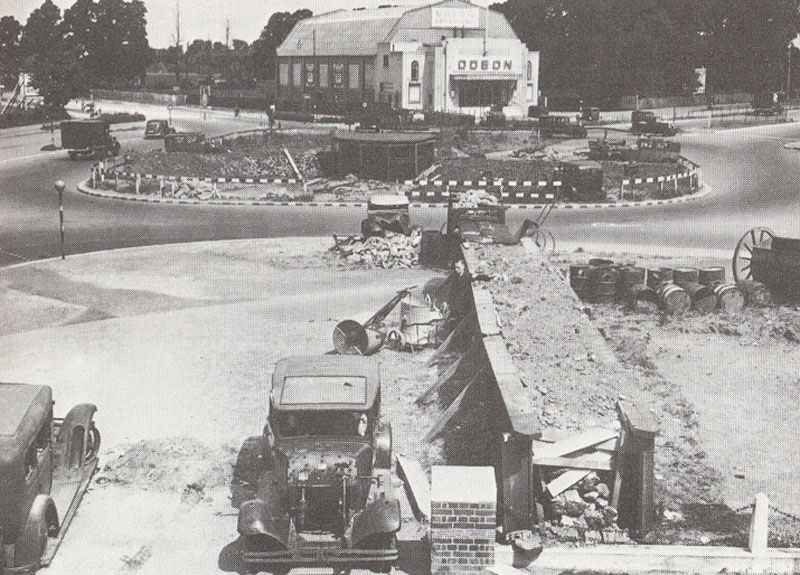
{"points": [[161, 186], [116, 181], [622, 190], [94, 177], [59, 185], [676, 183], [138, 184], [172, 188]]}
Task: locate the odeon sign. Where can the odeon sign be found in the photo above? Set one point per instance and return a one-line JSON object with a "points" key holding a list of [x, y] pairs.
{"points": [[485, 65]]}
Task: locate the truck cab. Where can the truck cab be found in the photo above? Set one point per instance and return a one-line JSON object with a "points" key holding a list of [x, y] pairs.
{"points": [[45, 466], [318, 480]]}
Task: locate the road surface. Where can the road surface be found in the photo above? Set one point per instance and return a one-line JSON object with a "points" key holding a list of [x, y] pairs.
{"points": [[751, 176]]}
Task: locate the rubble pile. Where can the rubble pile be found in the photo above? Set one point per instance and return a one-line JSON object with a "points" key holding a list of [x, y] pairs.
{"points": [[475, 198], [351, 187], [388, 252], [583, 514]]}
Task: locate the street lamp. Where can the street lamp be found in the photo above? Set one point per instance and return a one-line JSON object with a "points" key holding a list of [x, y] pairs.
{"points": [[60, 189]]}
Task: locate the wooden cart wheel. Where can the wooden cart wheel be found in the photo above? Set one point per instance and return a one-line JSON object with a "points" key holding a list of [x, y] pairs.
{"points": [[743, 254], [544, 240]]}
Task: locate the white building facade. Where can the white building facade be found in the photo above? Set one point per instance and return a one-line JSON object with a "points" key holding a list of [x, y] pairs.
{"points": [[451, 56]]}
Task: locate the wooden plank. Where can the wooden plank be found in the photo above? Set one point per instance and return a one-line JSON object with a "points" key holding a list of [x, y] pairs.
{"points": [[597, 461], [449, 340], [588, 438], [447, 415], [552, 435], [443, 378], [417, 484], [618, 471], [565, 481]]}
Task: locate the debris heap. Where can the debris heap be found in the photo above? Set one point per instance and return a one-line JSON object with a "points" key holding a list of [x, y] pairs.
{"points": [[388, 252], [475, 198], [584, 513]]}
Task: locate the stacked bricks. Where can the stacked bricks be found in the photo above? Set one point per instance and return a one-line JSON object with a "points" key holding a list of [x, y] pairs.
{"points": [[464, 517]]}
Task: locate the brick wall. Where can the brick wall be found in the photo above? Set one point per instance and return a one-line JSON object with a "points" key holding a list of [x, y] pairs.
{"points": [[463, 519]]}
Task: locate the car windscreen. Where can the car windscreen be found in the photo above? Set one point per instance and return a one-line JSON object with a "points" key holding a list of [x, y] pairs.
{"points": [[353, 424]]}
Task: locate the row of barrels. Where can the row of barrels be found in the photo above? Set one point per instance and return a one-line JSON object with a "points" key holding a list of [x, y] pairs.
{"points": [[675, 290]]}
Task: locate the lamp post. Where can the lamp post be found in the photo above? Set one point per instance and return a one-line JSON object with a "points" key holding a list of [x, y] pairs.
{"points": [[60, 189]]}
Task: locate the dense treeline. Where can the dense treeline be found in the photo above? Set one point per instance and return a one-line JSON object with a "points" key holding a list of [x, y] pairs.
{"points": [[602, 49]]}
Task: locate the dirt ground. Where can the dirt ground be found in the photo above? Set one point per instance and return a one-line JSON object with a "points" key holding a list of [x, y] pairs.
{"points": [[175, 345], [724, 390]]}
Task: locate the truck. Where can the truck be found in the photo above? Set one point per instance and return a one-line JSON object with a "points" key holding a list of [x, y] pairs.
{"points": [[645, 122], [88, 138], [46, 465], [767, 104], [560, 125], [316, 487]]}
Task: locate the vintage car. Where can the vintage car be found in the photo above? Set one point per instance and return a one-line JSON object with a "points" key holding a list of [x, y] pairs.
{"points": [[45, 467], [157, 129], [646, 122], [88, 138], [386, 212], [560, 125], [317, 482]]}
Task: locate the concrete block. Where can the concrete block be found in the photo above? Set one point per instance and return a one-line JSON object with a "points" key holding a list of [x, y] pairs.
{"points": [[759, 526]]}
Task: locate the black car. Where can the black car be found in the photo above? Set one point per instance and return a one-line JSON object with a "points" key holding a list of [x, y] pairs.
{"points": [[317, 483], [157, 129]]}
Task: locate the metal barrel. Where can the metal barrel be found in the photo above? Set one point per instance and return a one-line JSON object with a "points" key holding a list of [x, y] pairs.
{"points": [[711, 275], [629, 276], [685, 275], [704, 300], [674, 299], [658, 276], [579, 279], [730, 298], [418, 322], [642, 298], [604, 282]]}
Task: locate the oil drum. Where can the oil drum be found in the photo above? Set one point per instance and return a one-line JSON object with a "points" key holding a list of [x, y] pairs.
{"points": [[674, 299]]}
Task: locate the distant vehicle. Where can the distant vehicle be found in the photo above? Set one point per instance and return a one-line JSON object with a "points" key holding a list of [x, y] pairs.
{"points": [[537, 111], [386, 212], [767, 104], [45, 467], [645, 122], [590, 114], [88, 138], [560, 125], [157, 129], [317, 486]]}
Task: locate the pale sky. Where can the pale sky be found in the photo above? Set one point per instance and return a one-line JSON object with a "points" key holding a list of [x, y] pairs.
{"points": [[205, 19]]}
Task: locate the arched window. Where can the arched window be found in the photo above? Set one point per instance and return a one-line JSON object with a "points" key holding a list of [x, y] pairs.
{"points": [[530, 71], [415, 71]]}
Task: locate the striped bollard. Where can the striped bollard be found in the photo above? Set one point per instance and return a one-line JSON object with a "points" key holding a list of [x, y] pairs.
{"points": [[138, 184]]}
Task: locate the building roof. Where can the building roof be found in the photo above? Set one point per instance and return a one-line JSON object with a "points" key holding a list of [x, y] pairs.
{"points": [[358, 32], [342, 32], [385, 137]]}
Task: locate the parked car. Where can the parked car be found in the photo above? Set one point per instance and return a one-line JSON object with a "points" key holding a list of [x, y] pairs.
{"points": [[88, 138], [45, 467], [157, 129], [386, 212], [317, 481]]}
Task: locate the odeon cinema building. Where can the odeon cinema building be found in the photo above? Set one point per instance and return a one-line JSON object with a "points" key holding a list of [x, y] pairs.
{"points": [[449, 56]]}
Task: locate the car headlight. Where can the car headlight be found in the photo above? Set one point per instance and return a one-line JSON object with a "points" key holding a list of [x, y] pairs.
{"points": [[302, 476]]}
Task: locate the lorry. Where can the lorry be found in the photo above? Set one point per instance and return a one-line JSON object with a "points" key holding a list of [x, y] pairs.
{"points": [[316, 485], [560, 125], [767, 104], [88, 138], [645, 122], [46, 465]]}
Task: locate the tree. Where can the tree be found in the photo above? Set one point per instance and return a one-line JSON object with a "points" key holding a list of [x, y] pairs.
{"points": [[41, 33], [263, 52], [10, 56]]}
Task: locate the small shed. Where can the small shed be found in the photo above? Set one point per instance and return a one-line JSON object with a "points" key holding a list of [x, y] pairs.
{"points": [[383, 155]]}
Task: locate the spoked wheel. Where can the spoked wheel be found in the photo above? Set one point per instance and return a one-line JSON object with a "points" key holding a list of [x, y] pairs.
{"points": [[544, 240], [743, 254]]}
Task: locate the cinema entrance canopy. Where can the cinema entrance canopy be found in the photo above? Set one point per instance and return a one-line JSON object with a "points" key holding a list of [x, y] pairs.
{"points": [[449, 56]]}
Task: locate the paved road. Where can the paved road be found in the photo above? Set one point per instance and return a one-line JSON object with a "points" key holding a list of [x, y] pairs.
{"points": [[752, 177]]}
